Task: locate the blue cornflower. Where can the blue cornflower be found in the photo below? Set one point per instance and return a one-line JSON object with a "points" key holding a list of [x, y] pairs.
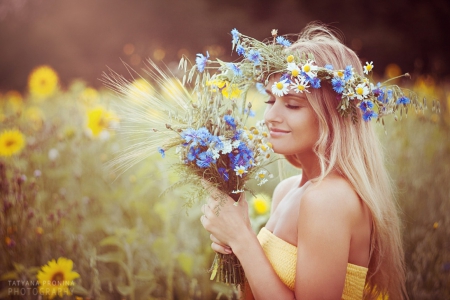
{"points": [[286, 77], [261, 88], [328, 67], [403, 100], [240, 50], [205, 159], [162, 152], [379, 92], [237, 135], [192, 153], [254, 56], [366, 105], [250, 113], [235, 33], [242, 157], [230, 121], [369, 114], [315, 82], [201, 61], [196, 137], [348, 73], [236, 70], [283, 41], [338, 85], [223, 172]]}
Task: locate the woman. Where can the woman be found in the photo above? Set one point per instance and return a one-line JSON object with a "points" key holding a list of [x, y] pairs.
{"points": [[333, 231]]}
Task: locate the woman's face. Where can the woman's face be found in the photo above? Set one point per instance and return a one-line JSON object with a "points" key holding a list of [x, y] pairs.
{"points": [[291, 121]]}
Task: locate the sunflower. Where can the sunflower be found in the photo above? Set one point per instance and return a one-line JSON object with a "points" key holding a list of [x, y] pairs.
{"points": [[43, 82], [11, 142], [56, 277], [99, 120]]}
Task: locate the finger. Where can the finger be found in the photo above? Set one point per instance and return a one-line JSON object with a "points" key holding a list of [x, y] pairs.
{"points": [[215, 240], [220, 249], [202, 220]]}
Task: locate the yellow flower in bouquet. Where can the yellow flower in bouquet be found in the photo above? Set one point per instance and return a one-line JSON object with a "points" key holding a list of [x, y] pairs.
{"points": [[56, 278], [43, 82], [11, 142]]}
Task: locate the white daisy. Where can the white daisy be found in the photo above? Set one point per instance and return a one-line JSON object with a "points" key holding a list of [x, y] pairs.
{"points": [[262, 182], [262, 174], [294, 69], [240, 170], [339, 74], [308, 68], [280, 88], [361, 91], [300, 86], [368, 67]]}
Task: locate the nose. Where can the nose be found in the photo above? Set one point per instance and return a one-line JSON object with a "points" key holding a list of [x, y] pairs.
{"points": [[273, 113]]}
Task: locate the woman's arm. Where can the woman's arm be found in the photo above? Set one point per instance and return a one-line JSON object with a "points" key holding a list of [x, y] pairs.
{"points": [[327, 214], [231, 227]]}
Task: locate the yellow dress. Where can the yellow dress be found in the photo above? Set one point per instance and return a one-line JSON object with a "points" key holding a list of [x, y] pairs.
{"points": [[283, 258]]}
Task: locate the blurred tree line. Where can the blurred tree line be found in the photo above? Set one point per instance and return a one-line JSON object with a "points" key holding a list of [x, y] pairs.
{"points": [[81, 38]]}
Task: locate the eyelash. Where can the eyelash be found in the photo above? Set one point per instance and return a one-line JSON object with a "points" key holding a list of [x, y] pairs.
{"points": [[287, 105]]}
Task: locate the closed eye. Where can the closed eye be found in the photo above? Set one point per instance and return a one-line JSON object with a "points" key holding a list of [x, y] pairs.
{"points": [[292, 106]]}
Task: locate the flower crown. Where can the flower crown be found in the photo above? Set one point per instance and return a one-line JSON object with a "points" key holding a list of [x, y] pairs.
{"points": [[299, 72]]}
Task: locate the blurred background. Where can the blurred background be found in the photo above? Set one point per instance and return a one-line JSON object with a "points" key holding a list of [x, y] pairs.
{"points": [[81, 38], [125, 238]]}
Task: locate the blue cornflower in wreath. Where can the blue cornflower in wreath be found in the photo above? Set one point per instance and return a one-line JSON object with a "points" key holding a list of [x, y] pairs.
{"points": [[368, 115], [338, 85], [240, 50], [283, 41], [403, 100], [201, 61], [254, 56], [236, 70]]}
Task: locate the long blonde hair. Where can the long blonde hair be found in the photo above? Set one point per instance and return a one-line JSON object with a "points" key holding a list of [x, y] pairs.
{"points": [[355, 152]]}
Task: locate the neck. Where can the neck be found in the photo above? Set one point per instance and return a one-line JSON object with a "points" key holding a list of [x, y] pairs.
{"points": [[310, 166]]}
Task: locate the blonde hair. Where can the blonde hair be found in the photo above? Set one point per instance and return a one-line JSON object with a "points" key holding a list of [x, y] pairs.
{"points": [[354, 151]]}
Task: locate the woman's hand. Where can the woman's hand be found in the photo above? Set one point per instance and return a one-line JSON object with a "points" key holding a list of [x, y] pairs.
{"points": [[217, 246], [224, 220]]}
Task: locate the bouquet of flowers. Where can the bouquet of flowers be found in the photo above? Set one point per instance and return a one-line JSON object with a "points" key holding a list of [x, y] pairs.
{"points": [[205, 128]]}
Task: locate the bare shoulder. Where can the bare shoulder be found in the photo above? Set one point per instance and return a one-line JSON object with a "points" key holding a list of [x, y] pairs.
{"points": [[283, 188], [332, 196]]}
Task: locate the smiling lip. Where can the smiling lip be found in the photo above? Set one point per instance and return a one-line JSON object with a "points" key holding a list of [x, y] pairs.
{"points": [[275, 132]]}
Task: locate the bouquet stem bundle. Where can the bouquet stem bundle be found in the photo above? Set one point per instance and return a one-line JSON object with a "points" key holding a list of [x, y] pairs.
{"points": [[227, 268]]}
